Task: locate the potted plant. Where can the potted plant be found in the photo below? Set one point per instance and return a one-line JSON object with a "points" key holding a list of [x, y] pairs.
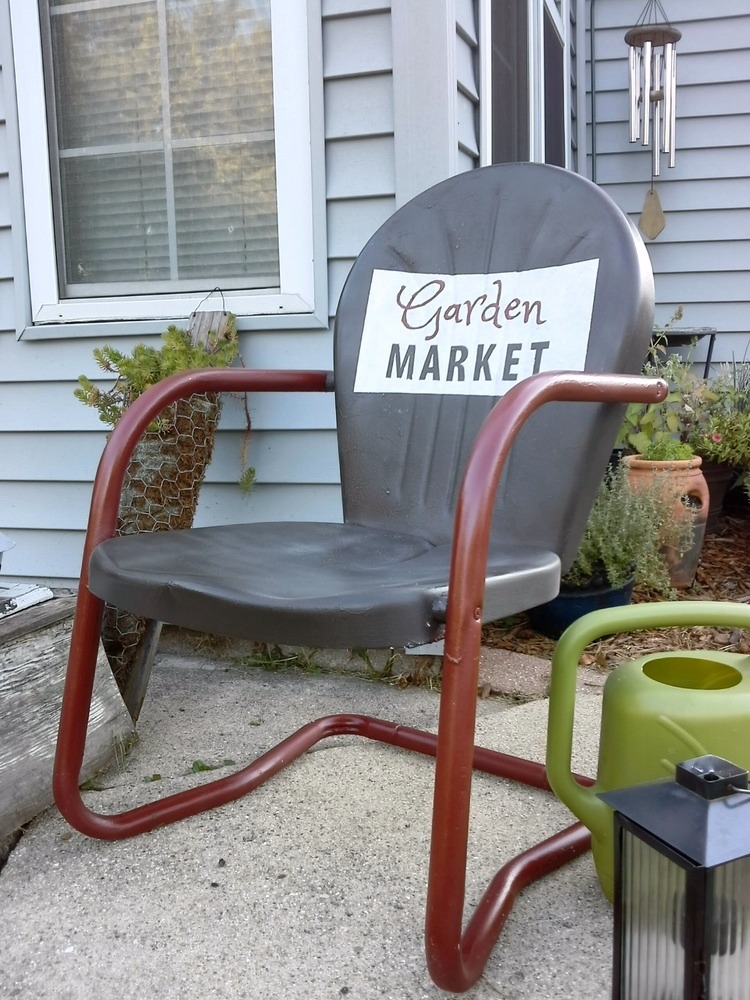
{"points": [[722, 438], [658, 438], [623, 545], [166, 471]]}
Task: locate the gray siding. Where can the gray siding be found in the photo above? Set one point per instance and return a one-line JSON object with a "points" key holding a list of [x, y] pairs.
{"points": [[399, 112], [467, 85], [50, 443], [702, 258]]}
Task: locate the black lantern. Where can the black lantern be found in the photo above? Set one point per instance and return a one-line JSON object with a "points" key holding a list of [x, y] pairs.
{"points": [[682, 885]]}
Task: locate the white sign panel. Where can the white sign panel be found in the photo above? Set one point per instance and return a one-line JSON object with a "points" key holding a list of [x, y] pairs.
{"points": [[474, 334]]}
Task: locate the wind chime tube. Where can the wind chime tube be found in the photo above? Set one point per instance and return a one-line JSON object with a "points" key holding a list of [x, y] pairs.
{"points": [[633, 94], [668, 95], [646, 92], [638, 91], [671, 85], [656, 109]]}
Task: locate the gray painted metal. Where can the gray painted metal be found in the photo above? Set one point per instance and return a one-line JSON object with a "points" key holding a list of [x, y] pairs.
{"points": [[512, 217], [381, 577]]}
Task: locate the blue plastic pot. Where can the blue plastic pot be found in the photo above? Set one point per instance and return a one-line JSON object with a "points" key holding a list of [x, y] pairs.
{"points": [[551, 619]]}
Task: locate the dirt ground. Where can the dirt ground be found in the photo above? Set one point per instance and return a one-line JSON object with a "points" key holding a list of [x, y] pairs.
{"points": [[723, 575]]}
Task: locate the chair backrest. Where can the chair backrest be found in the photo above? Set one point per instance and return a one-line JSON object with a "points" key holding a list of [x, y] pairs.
{"points": [[415, 366]]}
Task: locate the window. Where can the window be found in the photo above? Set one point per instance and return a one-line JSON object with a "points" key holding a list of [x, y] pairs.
{"points": [[526, 60], [176, 157]]}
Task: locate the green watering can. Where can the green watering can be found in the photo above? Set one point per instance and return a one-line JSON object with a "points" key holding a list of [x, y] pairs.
{"points": [[658, 710]]}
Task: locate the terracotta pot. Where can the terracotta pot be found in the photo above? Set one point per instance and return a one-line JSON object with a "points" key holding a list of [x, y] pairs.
{"points": [[685, 481]]}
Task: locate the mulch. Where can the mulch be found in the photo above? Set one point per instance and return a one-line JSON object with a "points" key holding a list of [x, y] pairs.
{"points": [[723, 575]]}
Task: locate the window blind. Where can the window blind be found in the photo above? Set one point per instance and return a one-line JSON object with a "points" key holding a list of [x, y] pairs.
{"points": [[162, 132]]}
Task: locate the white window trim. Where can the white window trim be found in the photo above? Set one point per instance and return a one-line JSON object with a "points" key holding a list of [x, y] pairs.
{"points": [[295, 33]]}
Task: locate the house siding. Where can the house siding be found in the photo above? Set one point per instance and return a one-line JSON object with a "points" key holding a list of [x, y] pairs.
{"points": [[50, 443], [400, 111], [702, 257], [467, 85]]}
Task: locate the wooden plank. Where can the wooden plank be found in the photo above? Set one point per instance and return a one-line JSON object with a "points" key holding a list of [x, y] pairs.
{"points": [[204, 323], [32, 672], [35, 618]]}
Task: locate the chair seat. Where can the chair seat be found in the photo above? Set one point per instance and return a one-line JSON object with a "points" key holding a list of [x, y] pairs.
{"points": [[313, 584]]}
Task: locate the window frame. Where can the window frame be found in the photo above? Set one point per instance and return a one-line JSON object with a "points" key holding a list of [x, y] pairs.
{"points": [[558, 12], [301, 297]]}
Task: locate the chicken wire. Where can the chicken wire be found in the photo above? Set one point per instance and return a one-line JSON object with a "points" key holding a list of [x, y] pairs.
{"points": [[160, 493]]}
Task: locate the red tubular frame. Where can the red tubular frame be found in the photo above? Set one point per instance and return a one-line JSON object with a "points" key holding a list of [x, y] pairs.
{"points": [[455, 958]]}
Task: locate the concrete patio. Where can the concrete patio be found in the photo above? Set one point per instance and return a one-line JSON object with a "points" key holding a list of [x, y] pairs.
{"points": [[314, 886]]}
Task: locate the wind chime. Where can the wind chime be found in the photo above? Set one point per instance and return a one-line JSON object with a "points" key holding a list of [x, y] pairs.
{"points": [[653, 85]]}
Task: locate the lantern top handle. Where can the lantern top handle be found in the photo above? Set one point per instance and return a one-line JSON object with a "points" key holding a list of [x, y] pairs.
{"points": [[711, 777], [653, 26]]}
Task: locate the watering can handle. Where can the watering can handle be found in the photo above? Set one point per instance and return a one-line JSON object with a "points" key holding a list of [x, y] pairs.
{"points": [[583, 801]]}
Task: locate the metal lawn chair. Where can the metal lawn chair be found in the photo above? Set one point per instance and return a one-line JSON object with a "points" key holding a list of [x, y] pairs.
{"points": [[458, 509]]}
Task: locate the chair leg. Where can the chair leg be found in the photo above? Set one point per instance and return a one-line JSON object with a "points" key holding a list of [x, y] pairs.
{"points": [[455, 960]]}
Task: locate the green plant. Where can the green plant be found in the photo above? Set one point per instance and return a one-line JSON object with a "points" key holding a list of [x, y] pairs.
{"points": [[724, 436], [147, 365], [269, 657], [666, 431], [626, 535], [667, 449]]}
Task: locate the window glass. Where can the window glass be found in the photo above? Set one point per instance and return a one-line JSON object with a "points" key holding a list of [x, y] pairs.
{"points": [[162, 145], [510, 75], [527, 56], [554, 97]]}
